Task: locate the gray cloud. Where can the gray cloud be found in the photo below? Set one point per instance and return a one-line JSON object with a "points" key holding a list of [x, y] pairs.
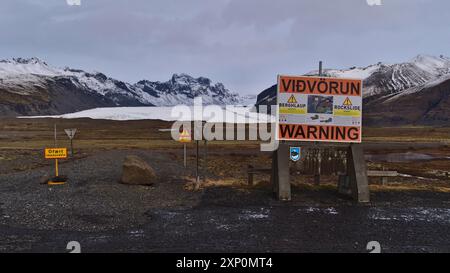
{"points": [[242, 43]]}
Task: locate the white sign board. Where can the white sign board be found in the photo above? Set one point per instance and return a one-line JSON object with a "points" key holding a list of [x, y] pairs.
{"points": [[70, 132], [319, 109]]}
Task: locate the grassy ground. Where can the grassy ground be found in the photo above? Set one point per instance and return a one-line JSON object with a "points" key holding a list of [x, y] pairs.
{"points": [[22, 142], [409, 214]]}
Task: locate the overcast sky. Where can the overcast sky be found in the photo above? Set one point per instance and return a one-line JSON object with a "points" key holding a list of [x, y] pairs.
{"points": [[242, 43]]}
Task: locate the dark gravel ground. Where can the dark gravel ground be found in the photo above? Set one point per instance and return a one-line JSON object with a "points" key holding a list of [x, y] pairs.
{"points": [[105, 216]]}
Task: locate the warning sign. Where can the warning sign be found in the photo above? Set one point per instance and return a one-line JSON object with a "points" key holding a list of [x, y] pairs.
{"points": [[346, 108], [347, 102], [289, 104], [292, 99], [71, 132], [319, 109], [55, 153], [319, 133], [319, 86], [184, 136]]}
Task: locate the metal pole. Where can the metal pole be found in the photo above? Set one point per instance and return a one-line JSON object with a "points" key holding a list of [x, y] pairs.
{"points": [[197, 172], [185, 155], [55, 135], [56, 160], [205, 160], [317, 169], [56, 168], [320, 68], [71, 147]]}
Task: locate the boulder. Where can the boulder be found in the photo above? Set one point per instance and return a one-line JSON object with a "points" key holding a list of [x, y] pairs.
{"points": [[137, 172]]}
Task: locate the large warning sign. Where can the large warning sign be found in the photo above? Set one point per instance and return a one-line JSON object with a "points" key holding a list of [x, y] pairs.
{"points": [[319, 109]]}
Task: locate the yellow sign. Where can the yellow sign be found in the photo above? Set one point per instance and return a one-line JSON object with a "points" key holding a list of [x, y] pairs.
{"points": [[347, 102], [347, 109], [292, 99], [55, 153], [292, 107], [184, 136], [292, 110]]}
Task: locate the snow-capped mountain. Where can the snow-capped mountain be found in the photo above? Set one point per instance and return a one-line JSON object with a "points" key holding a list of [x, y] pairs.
{"points": [[31, 86], [412, 92], [425, 104], [183, 88], [381, 78], [247, 100]]}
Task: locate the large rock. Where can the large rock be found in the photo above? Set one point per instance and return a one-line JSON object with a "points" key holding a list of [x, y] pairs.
{"points": [[137, 172]]}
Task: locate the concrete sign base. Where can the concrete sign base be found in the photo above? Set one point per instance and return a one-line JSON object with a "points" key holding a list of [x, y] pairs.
{"points": [[280, 173], [356, 173]]}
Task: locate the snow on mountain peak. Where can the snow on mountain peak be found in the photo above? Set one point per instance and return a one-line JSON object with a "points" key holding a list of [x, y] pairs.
{"points": [[430, 58], [22, 75], [32, 60], [185, 79], [432, 64], [183, 88], [418, 88], [181, 78], [19, 66], [383, 78]]}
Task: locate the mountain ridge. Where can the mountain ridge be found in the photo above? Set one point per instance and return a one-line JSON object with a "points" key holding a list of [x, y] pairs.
{"points": [[392, 92], [46, 86], [383, 78]]}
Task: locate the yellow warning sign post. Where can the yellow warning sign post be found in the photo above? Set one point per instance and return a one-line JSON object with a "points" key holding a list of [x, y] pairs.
{"points": [[56, 153], [185, 137]]}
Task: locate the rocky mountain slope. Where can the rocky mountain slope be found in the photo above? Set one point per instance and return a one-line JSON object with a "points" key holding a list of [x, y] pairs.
{"points": [[32, 87], [414, 92], [382, 79], [425, 104]]}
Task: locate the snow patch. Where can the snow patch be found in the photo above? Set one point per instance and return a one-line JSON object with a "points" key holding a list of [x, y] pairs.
{"points": [[419, 88], [237, 114], [330, 210], [441, 215], [262, 213]]}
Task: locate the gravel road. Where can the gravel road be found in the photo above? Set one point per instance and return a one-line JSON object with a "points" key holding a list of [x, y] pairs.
{"points": [[105, 216]]}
